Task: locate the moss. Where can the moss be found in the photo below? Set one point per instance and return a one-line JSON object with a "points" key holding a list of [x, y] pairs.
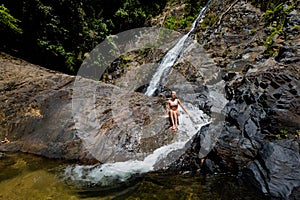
{"points": [[125, 61], [171, 23], [209, 20], [296, 27]]}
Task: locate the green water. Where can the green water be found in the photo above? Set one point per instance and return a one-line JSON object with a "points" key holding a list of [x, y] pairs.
{"points": [[26, 177]]}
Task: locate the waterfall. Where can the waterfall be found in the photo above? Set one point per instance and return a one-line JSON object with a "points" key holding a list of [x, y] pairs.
{"points": [[169, 59]]}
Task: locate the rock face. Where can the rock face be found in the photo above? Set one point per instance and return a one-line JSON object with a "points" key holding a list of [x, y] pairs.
{"points": [[261, 111], [260, 137], [38, 116], [36, 109], [118, 125]]}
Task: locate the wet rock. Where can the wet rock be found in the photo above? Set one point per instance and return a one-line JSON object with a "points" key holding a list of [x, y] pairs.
{"points": [[277, 169], [203, 100], [261, 109], [36, 113]]}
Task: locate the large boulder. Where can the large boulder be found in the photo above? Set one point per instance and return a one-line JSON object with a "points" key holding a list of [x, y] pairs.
{"points": [[261, 133], [36, 110], [40, 114]]}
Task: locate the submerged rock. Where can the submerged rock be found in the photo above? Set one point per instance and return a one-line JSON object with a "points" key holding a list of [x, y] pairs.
{"points": [[2, 155]]}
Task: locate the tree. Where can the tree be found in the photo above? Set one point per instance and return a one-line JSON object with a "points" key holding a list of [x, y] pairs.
{"points": [[7, 22], [57, 34]]}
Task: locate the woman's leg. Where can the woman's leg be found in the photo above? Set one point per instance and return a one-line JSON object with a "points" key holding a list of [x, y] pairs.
{"points": [[176, 118], [172, 114]]}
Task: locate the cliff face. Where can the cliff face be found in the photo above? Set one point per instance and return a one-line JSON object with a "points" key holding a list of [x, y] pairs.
{"points": [[260, 138]]}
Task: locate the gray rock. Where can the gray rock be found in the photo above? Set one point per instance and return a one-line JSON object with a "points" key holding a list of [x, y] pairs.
{"points": [[277, 169]]}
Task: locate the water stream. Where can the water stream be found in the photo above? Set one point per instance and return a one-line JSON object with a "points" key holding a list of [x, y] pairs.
{"points": [[25, 176], [109, 174]]}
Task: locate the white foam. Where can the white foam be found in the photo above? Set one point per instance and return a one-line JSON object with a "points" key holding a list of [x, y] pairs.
{"points": [[111, 173]]}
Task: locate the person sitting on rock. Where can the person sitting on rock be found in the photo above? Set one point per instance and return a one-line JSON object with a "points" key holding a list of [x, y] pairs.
{"points": [[172, 110]]}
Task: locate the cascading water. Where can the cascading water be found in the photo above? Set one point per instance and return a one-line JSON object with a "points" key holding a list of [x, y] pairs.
{"points": [[109, 174], [169, 59]]}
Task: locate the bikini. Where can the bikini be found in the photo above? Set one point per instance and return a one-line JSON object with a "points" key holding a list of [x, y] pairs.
{"points": [[174, 103]]}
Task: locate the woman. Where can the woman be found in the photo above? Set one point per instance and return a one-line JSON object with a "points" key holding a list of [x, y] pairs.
{"points": [[172, 110]]}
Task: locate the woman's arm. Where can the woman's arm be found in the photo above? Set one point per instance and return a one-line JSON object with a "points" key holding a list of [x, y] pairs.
{"points": [[179, 102], [168, 108]]}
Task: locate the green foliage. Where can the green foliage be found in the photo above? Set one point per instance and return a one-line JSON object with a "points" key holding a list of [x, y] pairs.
{"points": [[57, 34], [134, 13], [265, 4], [272, 13], [8, 22], [190, 13], [277, 13], [275, 31], [173, 23], [275, 18], [193, 7], [209, 20], [283, 134], [125, 60]]}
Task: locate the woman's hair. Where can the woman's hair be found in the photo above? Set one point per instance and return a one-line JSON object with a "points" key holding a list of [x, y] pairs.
{"points": [[173, 92]]}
